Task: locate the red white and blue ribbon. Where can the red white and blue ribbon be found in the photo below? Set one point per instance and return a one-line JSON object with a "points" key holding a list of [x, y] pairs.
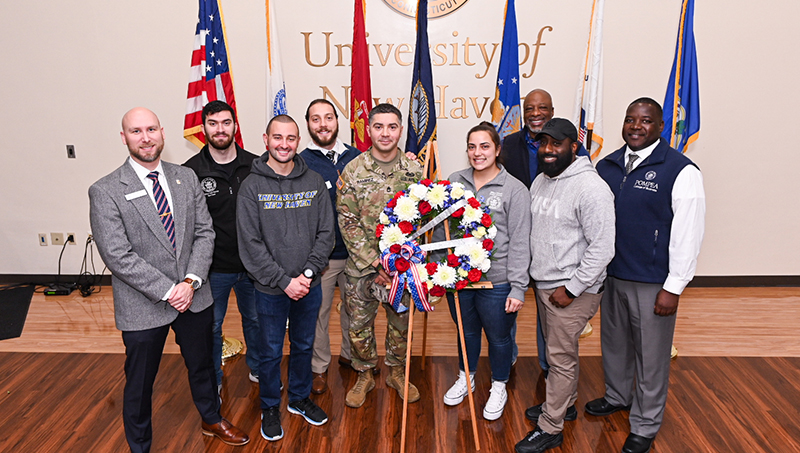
{"points": [[401, 266]]}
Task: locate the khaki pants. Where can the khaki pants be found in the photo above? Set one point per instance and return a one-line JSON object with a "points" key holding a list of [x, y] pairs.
{"points": [[562, 328], [321, 358]]}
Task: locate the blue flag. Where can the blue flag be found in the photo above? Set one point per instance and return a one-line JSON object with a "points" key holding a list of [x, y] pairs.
{"points": [[506, 112], [682, 111], [422, 109]]}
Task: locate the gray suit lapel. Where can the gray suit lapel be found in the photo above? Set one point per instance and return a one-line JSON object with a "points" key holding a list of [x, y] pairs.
{"points": [[144, 204], [180, 202]]}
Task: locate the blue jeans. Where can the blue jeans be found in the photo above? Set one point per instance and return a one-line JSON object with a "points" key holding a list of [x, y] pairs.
{"points": [[221, 285], [273, 311], [485, 309], [541, 344]]}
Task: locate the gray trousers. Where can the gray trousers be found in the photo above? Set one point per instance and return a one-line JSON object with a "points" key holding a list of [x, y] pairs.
{"points": [[321, 357], [636, 345]]}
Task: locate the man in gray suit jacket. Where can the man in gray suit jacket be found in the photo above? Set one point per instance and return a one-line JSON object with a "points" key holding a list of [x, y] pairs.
{"points": [[154, 232]]}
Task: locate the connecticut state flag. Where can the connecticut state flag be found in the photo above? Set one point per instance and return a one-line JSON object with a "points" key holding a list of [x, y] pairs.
{"points": [[682, 102]]}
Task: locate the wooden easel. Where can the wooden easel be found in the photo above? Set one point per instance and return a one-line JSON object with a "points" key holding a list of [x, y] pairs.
{"points": [[460, 324]]}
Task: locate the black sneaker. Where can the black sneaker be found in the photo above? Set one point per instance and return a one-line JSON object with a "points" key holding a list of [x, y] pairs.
{"points": [[271, 424], [538, 441], [533, 413], [310, 411]]}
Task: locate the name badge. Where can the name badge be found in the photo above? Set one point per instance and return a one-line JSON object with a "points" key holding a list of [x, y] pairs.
{"points": [[135, 195], [328, 185]]}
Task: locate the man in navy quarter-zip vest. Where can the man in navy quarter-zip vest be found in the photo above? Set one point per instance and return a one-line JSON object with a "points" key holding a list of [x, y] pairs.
{"points": [[327, 155], [660, 219], [221, 166]]}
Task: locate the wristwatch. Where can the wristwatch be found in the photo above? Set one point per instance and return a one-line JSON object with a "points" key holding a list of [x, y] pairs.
{"points": [[195, 284], [309, 274]]}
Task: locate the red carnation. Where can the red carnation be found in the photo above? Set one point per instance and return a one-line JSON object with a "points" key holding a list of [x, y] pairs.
{"points": [[474, 203], [401, 264], [474, 275], [399, 194], [437, 291], [457, 214], [424, 207], [444, 182], [426, 182], [395, 248], [461, 284], [486, 220], [452, 261], [392, 203], [379, 230], [488, 244], [467, 235], [406, 227], [431, 268]]}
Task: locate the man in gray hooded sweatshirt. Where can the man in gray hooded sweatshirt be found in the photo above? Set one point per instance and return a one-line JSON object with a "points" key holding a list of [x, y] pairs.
{"points": [[284, 221], [573, 218]]}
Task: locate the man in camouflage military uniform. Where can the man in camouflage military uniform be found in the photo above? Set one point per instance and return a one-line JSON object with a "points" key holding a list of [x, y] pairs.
{"points": [[365, 186]]}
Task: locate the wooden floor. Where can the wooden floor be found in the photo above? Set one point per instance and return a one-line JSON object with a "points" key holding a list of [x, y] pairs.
{"points": [[734, 388]]}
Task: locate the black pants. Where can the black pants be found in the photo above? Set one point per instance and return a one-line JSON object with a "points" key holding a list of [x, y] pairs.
{"points": [[143, 351]]}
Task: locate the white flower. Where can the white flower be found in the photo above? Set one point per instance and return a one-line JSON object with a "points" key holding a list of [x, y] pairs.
{"points": [[383, 218], [406, 209], [423, 273], [468, 194], [430, 284], [436, 196], [474, 251], [458, 190], [471, 215], [485, 265], [417, 191], [491, 232], [391, 235], [479, 232], [444, 276]]}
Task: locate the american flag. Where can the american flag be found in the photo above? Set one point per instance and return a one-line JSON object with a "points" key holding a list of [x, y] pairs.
{"points": [[210, 76]]}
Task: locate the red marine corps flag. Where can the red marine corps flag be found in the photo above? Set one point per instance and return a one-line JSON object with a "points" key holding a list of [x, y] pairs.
{"points": [[360, 91], [210, 77]]}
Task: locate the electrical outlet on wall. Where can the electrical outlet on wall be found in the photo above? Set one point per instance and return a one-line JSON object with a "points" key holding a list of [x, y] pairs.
{"points": [[57, 238], [71, 151], [72, 240], [42, 239]]}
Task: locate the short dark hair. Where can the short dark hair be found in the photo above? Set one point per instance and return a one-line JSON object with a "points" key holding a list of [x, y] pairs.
{"points": [[489, 128], [216, 107], [650, 101], [385, 108], [321, 101], [282, 119]]}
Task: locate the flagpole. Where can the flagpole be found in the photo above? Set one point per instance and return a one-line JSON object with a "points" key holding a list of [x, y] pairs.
{"points": [[678, 57]]}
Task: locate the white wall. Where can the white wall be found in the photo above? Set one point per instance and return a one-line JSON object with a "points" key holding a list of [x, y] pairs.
{"points": [[73, 68]]}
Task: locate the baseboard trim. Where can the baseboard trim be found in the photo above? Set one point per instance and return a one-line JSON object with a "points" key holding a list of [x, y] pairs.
{"points": [[44, 279], [698, 282]]}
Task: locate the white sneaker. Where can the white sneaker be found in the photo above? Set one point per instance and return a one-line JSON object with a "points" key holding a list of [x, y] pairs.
{"points": [[497, 401], [458, 391]]}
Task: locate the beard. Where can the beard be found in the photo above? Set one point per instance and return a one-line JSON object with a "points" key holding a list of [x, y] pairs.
{"points": [[221, 143], [147, 158], [553, 169], [324, 143]]}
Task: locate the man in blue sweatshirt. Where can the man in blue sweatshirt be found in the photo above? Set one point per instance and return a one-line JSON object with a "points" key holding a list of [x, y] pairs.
{"points": [[285, 223], [327, 155]]}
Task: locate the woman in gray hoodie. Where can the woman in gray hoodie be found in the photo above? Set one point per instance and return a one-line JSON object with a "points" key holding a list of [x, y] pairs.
{"points": [[493, 310]]}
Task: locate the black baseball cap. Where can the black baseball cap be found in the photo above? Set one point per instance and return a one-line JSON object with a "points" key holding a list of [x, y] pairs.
{"points": [[559, 129]]}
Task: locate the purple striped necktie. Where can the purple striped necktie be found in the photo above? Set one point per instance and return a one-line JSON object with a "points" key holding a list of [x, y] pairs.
{"points": [[163, 207]]}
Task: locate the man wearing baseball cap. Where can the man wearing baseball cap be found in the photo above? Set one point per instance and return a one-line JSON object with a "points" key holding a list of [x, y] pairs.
{"points": [[572, 212]]}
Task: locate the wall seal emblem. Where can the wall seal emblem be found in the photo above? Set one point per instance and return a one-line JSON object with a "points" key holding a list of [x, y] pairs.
{"points": [[436, 8]]}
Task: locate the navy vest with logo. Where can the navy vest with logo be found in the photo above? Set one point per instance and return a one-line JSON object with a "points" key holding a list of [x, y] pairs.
{"points": [[643, 205]]}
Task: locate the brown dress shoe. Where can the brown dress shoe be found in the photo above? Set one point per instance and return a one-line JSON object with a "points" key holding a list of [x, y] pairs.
{"points": [[226, 432], [320, 383]]}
